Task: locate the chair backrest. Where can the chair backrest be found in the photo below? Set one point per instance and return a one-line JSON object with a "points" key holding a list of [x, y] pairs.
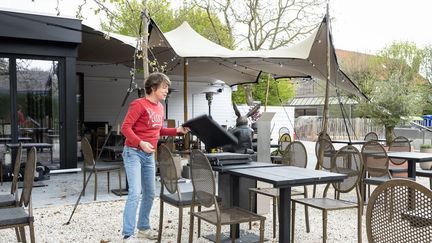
{"points": [[203, 180], [399, 210], [375, 159], [328, 150], [168, 170], [87, 152], [323, 135], [371, 136], [348, 161], [17, 165], [283, 142], [295, 155], [29, 172], [283, 130], [400, 144]]}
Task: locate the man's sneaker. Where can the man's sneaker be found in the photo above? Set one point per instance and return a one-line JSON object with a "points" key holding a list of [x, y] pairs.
{"points": [[147, 234]]}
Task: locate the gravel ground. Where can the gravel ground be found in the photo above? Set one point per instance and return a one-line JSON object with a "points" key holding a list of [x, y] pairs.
{"points": [[102, 221]]}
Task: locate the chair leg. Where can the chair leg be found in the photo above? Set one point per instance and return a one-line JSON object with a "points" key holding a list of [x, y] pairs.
{"points": [[108, 180], [250, 207], [218, 233], [275, 202], [22, 233], [359, 224], [199, 223], [120, 188], [324, 226], [191, 226], [161, 211], [306, 211], [84, 180], [262, 231], [17, 234], [32, 234], [293, 208], [180, 225], [233, 234], [95, 186]]}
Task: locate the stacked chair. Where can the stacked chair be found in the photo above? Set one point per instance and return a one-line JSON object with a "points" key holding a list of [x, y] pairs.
{"points": [[20, 214]]}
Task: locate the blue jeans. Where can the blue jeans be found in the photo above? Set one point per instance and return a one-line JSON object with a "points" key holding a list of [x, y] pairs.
{"points": [[140, 172]]}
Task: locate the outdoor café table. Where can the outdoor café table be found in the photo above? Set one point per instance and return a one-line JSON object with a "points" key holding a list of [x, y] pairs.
{"points": [[28, 146], [355, 142], [412, 158], [282, 177]]}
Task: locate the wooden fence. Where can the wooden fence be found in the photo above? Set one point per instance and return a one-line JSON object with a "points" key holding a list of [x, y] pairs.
{"points": [[308, 127]]}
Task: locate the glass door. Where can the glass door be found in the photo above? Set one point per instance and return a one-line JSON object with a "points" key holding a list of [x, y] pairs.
{"points": [[37, 105]]}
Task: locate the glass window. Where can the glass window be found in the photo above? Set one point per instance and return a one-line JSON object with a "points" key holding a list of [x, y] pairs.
{"points": [[5, 125]]}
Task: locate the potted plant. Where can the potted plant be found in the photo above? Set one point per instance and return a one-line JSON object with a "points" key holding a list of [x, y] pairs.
{"points": [[426, 148]]}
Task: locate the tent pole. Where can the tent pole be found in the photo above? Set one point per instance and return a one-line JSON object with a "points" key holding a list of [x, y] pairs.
{"points": [[185, 100], [325, 115]]}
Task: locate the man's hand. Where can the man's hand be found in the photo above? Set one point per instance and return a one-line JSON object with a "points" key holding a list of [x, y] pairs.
{"points": [[146, 147], [182, 130]]}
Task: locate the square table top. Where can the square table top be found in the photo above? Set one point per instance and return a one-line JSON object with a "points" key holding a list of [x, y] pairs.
{"points": [[247, 165], [288, 176], [416, 156]]}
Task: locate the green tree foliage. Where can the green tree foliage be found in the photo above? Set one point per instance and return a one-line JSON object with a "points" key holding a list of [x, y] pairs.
{"points": [[280, 91], [393, 85], [127, 17]]}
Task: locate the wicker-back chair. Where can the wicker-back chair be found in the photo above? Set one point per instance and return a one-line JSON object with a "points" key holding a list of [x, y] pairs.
{"points": [[204, 194], [327, 151], [282, 131], [22, 214], [371, 136], [283, 142], [169, 181], [295, 155], [399, 210], [346, 161], [397, 166], [90, 165]]}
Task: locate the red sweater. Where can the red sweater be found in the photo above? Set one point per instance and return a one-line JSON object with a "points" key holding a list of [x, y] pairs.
{"points": [[144, 121]]}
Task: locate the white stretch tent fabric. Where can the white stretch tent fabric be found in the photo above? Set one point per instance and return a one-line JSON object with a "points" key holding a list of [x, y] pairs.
{"points": [[208, 61]]}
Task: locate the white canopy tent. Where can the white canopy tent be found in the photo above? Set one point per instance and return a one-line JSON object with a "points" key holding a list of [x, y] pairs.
{"points": [[207, 60]]}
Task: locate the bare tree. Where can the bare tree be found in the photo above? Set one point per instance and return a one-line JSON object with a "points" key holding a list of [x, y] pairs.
{"points": [[266, 24]]}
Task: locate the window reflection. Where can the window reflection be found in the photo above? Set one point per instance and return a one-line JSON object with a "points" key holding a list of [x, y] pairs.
{"points": [[37, 100], [5, 126]]}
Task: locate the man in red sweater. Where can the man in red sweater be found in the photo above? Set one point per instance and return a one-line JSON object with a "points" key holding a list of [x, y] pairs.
{"points": [[142, 127]]}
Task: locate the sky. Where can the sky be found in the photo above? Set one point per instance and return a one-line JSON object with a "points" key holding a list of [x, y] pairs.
{"points": [[365, 26]]}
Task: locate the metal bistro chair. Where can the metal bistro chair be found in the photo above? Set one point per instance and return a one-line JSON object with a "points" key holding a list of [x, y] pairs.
{"points": [[371, 136], [204, 194], [90, 165], [346, 161], [399, 144], [282, 131], [22, 215], [169, 180], [376, 165], [399, 210], [294, 155]]}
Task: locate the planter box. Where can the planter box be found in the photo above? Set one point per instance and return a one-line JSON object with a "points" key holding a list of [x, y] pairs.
{"points": [[426, 165]]}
